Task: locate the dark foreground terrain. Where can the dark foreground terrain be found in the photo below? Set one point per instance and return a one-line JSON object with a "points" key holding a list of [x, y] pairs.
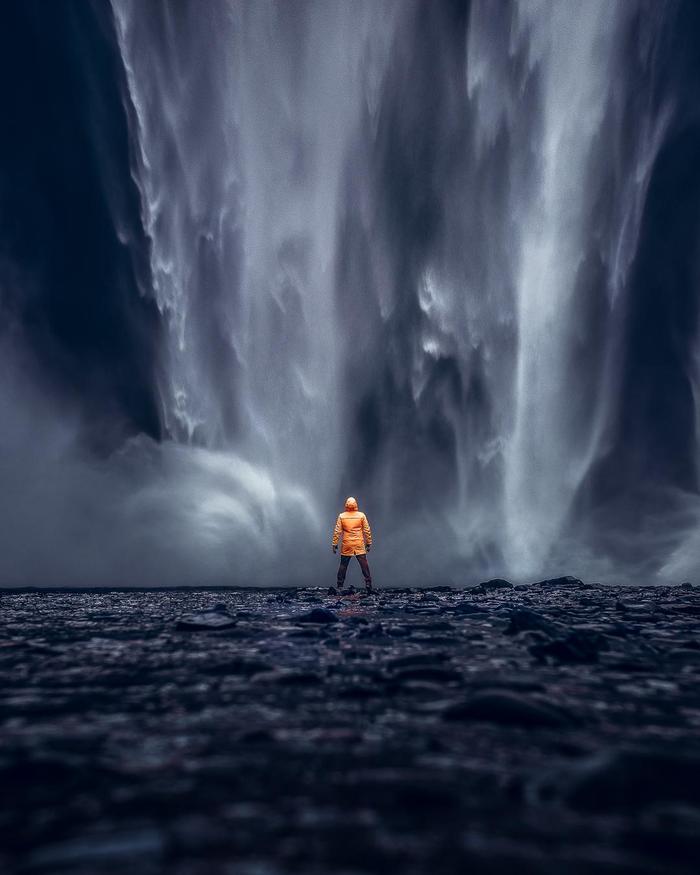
{"points": [[553, 728]]}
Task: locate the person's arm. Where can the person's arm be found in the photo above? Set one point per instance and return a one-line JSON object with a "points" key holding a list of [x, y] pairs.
{"points": [[367, 532], [337, 531]]}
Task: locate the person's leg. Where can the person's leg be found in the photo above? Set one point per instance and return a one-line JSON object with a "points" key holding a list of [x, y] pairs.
{"points": [[364, 565], [342, 570]]}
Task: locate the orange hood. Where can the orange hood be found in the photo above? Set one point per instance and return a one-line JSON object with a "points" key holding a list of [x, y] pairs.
{"points": [[350, 503]]}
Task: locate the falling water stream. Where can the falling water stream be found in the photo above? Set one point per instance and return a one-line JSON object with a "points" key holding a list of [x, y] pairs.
{"points": [[392, 244]]}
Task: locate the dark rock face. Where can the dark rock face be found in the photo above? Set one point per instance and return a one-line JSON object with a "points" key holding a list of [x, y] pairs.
{"points": [[539, 728]]}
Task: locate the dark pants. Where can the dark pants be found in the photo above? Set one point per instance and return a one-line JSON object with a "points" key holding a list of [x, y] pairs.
{"points": [[364, 565]]}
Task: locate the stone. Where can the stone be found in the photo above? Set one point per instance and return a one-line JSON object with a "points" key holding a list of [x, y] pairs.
{"points": [[418, 658], [431, 673], [577, 646], [216, 618], [491, 585], [100, 850], [468, 608], [524, 620], [567, 581], [634, 779], [317, 615], [684, 655], [243, 667], [507, 709]]}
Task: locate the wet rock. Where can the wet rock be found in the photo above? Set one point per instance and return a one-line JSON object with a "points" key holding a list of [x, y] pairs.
{"points": [[297, 678], [317, 615], [257, 736], [356, 620], [684, 656], [309, 632], [507, 709], [578, 646], [360, 692], [563, 582], [418, 659], [214, 618], [510, 682], [488, 586], [197, 834], [468, 608], [375, 631], [99, 851], [524, 620], [431, 673], [245, 667], [628, 664], [631, 780]]}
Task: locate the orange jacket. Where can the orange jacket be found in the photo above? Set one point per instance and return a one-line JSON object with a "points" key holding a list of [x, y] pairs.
{"points": [[353, 525]]}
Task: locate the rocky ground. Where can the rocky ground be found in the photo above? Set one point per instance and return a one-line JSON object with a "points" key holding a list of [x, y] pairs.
{"points": [[551, 728]]}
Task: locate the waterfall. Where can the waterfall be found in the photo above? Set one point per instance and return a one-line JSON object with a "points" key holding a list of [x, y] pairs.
{"points": [[561, 143], [242, 119], [392, 245]]}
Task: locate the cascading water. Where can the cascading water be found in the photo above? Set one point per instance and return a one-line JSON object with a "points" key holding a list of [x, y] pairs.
{"points": [[415, 296], [559, 146], [407, 250]]}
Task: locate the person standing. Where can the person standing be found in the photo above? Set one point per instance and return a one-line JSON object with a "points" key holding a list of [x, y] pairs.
{"points": [[353, 526]]}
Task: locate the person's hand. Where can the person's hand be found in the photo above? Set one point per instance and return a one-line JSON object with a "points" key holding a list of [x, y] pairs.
{"points": [[369, 547], [335, 548]]}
